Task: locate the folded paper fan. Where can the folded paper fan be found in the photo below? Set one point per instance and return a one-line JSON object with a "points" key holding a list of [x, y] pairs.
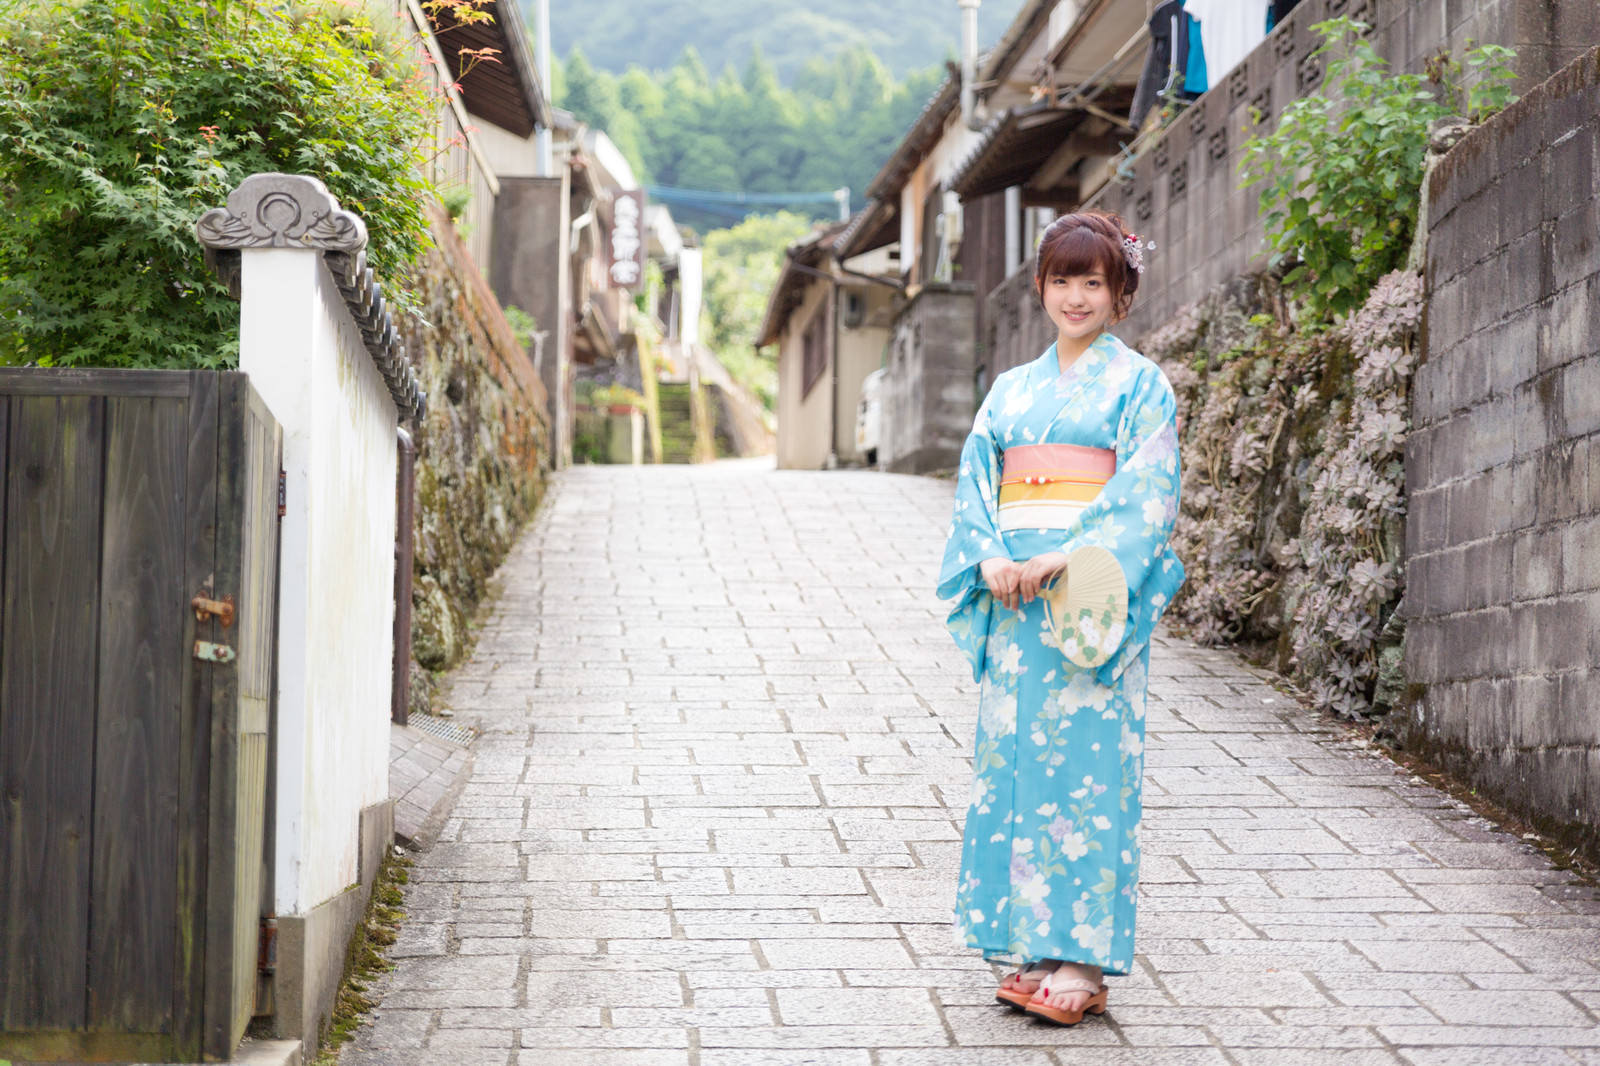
{"points": [[1087, 607]]}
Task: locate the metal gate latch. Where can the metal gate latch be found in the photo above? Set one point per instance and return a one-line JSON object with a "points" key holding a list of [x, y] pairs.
{"points": [[214, 653], [222, 609]]}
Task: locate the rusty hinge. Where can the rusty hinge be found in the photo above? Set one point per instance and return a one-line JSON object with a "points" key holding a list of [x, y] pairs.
{"points": [[204, 607], [206, 651], [283, 494], [267, 946]]}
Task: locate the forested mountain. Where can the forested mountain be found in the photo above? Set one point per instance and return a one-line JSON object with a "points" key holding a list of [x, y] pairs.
{"points": [[906, 34], [745, 132]]}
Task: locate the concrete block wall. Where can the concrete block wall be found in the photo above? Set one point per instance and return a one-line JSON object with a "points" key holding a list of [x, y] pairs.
{"points": [[1503, 464], [1183, 191], [1017, 330], [929, 395]]}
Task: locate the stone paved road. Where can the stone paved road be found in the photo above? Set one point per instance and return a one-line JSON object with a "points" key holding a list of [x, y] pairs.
{"points": [[715, 816]]}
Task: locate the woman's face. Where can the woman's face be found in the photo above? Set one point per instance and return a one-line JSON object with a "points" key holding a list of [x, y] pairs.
{"points": [[1080, 305]]}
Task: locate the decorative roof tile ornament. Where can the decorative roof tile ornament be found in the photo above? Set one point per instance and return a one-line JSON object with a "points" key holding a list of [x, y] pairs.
{"points": [[282, 211], [297, 211]]}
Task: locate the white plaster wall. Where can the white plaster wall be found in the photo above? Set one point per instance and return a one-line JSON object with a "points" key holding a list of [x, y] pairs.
{"points": [[937, 167], [861, 351], [509, 156], [336, 601], [802, 420], [691, 285]]}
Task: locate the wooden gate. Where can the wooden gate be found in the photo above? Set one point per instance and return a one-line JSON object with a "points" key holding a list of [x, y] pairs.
{"points": [[138, 561]]}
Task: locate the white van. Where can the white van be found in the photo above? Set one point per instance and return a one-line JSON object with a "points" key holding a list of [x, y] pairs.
{"points": [[869, 416]]}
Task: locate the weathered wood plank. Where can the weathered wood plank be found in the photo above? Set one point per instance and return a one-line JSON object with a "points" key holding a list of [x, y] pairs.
{"points": [[57, 381], [258, 544], [142, 607], [5, 481], [258, 654], [233, 482], [77, 1046], [51, 591], [194, 729]]}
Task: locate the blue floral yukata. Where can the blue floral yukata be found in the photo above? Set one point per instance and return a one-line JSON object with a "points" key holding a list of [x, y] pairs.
{"points": [[1050, 858]]}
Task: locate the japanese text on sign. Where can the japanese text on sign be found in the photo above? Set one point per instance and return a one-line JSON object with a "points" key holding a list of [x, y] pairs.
{"points": [[627, 240]]}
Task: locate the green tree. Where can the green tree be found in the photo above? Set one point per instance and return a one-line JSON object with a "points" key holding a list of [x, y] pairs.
{"points": [[121, 123], [741, 266], [745, 131], [595, 98]]}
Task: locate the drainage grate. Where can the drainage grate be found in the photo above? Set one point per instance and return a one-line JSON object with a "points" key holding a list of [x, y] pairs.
{"points": [[442, 728]]}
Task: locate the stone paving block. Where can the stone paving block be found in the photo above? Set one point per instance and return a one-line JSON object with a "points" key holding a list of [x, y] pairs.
{"points": [[880, 1034], [994, 1026], [448, 1040], [571, 1036], [857, 1006], [1505, 1036], [1143, 1056], [601, 1057], [963, 1057], [1315, 1057], [1244, 989], [786, 1057], [787, 954], [1460, 1056]]}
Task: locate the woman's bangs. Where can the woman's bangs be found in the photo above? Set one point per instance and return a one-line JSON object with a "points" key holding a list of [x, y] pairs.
{"points": [[1078, 251]]}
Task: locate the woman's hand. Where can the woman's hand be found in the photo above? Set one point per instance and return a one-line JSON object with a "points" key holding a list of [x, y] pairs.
{"points": [[1002, 576], [1037, 572]]}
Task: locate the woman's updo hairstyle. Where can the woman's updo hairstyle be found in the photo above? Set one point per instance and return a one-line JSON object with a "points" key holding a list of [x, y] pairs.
{"points": [[1087, 242]]}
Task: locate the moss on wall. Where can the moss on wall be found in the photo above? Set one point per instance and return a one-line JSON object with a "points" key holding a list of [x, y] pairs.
{"points": [[483, 452]]}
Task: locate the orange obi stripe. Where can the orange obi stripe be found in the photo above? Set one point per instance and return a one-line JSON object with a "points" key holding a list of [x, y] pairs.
{"points": [[1075, 491], [1046, 486]]}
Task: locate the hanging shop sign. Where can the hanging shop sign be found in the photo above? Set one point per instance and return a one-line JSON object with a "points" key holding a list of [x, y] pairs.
{"points": [[626, 240]]}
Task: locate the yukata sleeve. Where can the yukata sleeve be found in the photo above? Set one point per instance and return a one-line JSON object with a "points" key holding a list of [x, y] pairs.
{"points": [[1133, 515], [974, 536]]}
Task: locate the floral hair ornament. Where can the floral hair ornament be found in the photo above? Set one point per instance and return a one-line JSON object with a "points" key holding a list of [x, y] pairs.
{"points": [[1133, 251]]}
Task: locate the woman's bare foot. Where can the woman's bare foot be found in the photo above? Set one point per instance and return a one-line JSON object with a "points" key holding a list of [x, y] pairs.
{"points": [[1068, 992], [1019, 987]]}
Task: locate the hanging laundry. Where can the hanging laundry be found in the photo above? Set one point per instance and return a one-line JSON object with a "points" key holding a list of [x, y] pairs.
{"points": [[1195, 80], [1169, 39], [1229, 30], [1279, 11]]}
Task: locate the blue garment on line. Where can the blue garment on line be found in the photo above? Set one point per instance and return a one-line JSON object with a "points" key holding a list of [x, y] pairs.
{"points": [[1195, 79]]}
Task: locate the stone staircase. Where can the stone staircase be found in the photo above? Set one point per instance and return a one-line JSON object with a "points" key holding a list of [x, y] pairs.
{"points": [[677, 423]]}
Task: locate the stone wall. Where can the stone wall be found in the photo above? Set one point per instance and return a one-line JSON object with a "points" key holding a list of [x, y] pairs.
{"points": [[482, 455], [1503, 465], [929, 396], [1017, 329], [1183, 191]]}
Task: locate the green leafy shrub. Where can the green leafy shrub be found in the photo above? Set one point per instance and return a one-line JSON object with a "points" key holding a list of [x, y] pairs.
{"points": [[1342, 172], [121, 121], [742, 264]]}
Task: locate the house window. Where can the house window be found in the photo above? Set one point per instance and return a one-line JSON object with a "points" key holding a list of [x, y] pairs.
{"points": [[814, 349]]}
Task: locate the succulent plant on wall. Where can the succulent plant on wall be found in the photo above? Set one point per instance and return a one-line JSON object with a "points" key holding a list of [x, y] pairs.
{"points": [[1293, 495]]}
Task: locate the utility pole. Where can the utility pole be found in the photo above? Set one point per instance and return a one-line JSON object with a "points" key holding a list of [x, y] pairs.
{"points": [[841, 196], [969, 62], [545, 141]]}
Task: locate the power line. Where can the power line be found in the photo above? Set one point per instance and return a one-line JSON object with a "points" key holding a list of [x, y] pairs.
{"points": [[691, 197]]}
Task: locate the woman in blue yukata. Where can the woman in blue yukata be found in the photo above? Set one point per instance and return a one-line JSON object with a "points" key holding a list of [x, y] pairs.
{"points": [[1074, 455]]}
